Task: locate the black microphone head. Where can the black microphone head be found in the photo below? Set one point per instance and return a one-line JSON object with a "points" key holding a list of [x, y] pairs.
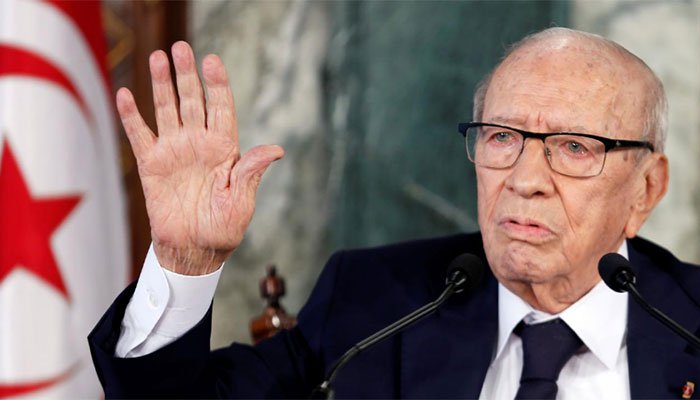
{"points": [[466, 272], [616, 272]]}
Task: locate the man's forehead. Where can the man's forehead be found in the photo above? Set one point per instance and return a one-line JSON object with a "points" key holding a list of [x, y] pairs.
{"points": [[575, 56], [596, 90], [571, 58]]}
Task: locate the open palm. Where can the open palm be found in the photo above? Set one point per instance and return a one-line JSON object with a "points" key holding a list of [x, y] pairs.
{"points": [[199, 190]]}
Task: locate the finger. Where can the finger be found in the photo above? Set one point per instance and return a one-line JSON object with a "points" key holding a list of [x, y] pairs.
{"points": [[140, 135], [164, 98], [248, 171], [189, 87], [221, 110]]}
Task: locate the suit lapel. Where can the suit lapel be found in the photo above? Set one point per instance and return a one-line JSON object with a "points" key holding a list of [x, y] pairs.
{"points": [[448, 354], [659, 360]]}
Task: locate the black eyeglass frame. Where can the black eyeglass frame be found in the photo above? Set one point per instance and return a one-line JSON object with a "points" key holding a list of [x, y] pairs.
{"points": [[610, 144]]}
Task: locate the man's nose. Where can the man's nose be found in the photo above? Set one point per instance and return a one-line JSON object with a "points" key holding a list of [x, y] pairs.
{"points": [[531, 175]]}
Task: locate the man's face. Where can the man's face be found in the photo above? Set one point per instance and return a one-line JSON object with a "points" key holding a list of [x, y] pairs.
{"points": [[545, 232]]}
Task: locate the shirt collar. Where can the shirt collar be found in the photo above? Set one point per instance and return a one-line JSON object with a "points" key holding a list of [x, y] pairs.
{"points": [[599, 318]]}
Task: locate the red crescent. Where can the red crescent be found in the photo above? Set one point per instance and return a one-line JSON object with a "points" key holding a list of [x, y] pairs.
{"points": [[28, 387], [87, 16], [17, 61]]}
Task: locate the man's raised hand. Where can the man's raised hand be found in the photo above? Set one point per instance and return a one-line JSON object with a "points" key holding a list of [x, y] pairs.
{"points": [[199, 190]]}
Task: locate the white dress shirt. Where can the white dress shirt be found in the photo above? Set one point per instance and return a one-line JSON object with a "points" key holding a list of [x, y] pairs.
{"points": [[165, 305], [598, 372]]}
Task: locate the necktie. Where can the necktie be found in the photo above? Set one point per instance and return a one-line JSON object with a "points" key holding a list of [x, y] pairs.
{"points": [[546, 348]]}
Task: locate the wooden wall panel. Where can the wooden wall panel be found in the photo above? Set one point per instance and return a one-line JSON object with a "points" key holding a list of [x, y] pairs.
{"points": [[135, 29]]}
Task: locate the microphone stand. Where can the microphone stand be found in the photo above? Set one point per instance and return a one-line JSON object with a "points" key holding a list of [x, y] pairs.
{"points": [[325, 390], [661, 317], [617, 273]]}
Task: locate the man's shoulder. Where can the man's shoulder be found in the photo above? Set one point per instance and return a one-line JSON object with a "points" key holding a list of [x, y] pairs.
{"points": [[655, 265], [427, 247], [430, 255], [417, 267]]}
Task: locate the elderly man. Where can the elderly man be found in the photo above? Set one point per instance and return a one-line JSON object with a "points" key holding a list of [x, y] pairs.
{"points": [[568, 148]]}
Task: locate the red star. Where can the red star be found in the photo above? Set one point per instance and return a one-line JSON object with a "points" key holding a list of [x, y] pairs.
{"points": [[26, 225]]}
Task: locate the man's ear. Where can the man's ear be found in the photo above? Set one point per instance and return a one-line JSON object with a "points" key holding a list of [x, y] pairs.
{"points": [[654, 183]]}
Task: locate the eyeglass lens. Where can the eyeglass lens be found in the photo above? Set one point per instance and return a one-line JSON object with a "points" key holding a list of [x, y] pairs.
{"points": [[495, 147]]}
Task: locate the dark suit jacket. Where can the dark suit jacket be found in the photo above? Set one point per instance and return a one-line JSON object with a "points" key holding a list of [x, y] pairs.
{"points": [[446, 355]]}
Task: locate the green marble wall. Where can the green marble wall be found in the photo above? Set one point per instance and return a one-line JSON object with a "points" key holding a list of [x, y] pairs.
{"points": [[400, 76]]}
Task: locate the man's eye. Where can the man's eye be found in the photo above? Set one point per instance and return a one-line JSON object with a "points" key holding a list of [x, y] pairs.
{"points": [[575, 148], [503, 136]]}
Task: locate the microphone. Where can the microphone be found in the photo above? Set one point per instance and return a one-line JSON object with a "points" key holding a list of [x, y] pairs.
{"points": [[617, 273], [463, 275], [465, 272]]}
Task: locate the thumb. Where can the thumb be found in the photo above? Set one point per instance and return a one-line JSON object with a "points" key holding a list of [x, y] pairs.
{"points": [[248, 171]]}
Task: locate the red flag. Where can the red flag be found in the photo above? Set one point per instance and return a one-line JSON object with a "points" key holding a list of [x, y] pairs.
{"points": [[63, 243]]}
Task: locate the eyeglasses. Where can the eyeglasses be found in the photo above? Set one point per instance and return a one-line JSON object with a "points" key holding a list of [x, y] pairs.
{"points": [[573, 154]]}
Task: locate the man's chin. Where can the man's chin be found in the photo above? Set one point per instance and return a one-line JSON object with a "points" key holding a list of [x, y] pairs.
{"points": [[529, 274], [522, 262]]}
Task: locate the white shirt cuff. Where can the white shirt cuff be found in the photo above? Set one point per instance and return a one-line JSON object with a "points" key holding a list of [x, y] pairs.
{"points": [[165, 305]]}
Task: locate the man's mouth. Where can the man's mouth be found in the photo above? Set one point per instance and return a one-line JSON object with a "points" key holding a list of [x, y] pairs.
{"points": [[527, 229]]}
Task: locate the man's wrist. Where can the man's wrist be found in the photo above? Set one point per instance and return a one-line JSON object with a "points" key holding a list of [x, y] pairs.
{"points": [[190, 261]]}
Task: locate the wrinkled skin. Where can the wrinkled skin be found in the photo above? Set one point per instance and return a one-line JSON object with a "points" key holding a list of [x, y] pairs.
{"points": [[545, 232], [199, 190]]}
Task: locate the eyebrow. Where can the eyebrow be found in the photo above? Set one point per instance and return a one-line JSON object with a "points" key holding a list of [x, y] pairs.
{"points": [[519, 122], [507, 121]]}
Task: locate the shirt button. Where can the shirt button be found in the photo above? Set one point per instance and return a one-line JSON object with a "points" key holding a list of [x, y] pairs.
{"points": [[152, 298]]}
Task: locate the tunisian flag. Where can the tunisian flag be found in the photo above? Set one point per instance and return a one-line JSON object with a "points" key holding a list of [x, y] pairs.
{"points": [[63, 243]]}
